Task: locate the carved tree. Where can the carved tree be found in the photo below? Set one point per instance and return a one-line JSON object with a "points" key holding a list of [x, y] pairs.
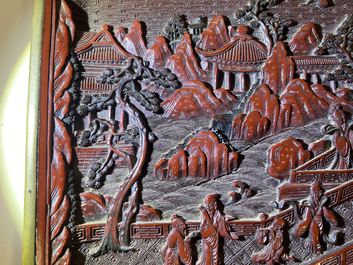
{"points": [[125, 201], [175, 29], [256, 15], [340, 43]]}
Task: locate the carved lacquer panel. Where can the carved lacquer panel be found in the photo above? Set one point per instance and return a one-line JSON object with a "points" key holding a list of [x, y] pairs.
{"points": [[196, 132]]}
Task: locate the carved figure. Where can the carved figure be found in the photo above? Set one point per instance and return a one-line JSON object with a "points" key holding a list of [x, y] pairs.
{"points": [[273, 239], [315, 212], [213, 226], [341, 137], [177, 250]]}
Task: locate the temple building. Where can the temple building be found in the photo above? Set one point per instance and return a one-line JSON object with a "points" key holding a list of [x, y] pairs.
{"points": [[237, 65], [98, 52]]}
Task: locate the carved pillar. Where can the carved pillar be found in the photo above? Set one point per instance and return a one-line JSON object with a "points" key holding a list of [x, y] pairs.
{"points": [[227, 80], [214, 75], [111, 110], [253, 78], [333, 85], [315, 78], [241, 82], [303, 75]]}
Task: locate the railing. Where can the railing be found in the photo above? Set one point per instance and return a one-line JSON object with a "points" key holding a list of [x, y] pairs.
{"points": [[94, 231]]}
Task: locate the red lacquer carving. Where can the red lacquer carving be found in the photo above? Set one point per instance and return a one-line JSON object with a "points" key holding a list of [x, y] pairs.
{"points": [[62, 157], [213, 226], [195, 99], [285, 156], [278, 69], [305, 40], [177, 250], [316, 210], [240, 77], [274, 241], [203, 156]]}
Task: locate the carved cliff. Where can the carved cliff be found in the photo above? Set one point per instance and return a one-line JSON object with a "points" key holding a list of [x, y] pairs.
{"points": [[285, 156], [278, 70]]}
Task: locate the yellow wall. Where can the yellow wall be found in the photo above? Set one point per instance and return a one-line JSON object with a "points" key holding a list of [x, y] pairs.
{"points": [[15, 32]]}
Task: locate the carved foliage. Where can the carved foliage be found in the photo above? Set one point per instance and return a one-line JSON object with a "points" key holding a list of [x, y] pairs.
{"points": [[285, 156]]}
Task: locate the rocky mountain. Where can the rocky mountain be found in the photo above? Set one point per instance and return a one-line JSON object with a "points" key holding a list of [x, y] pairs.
{"points": [[194, 99], [278, 69], [184, 62], [215, 35], [298, 104], [158, 54], [204, 156], [305, 40], [120, 34], [284, 156], [134, 41]]}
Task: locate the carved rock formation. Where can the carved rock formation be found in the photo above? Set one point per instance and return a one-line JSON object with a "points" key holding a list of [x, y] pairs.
{"points": [[341, 97], [184, 62], [299, 104], [215, 35], [148, 214], [195, 100], [250, 126], [134, 41], [158, 54], [278, 69], [203, 156], [93, 205], [226, 97], [120, 34], [285, 156], [305, 40], [266, 103]]}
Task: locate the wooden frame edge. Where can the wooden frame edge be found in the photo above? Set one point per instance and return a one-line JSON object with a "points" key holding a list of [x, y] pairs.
{"points": [[29, 223]]}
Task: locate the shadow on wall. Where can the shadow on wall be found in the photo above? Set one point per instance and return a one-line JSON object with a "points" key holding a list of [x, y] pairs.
{"points": [[15, 29]]}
